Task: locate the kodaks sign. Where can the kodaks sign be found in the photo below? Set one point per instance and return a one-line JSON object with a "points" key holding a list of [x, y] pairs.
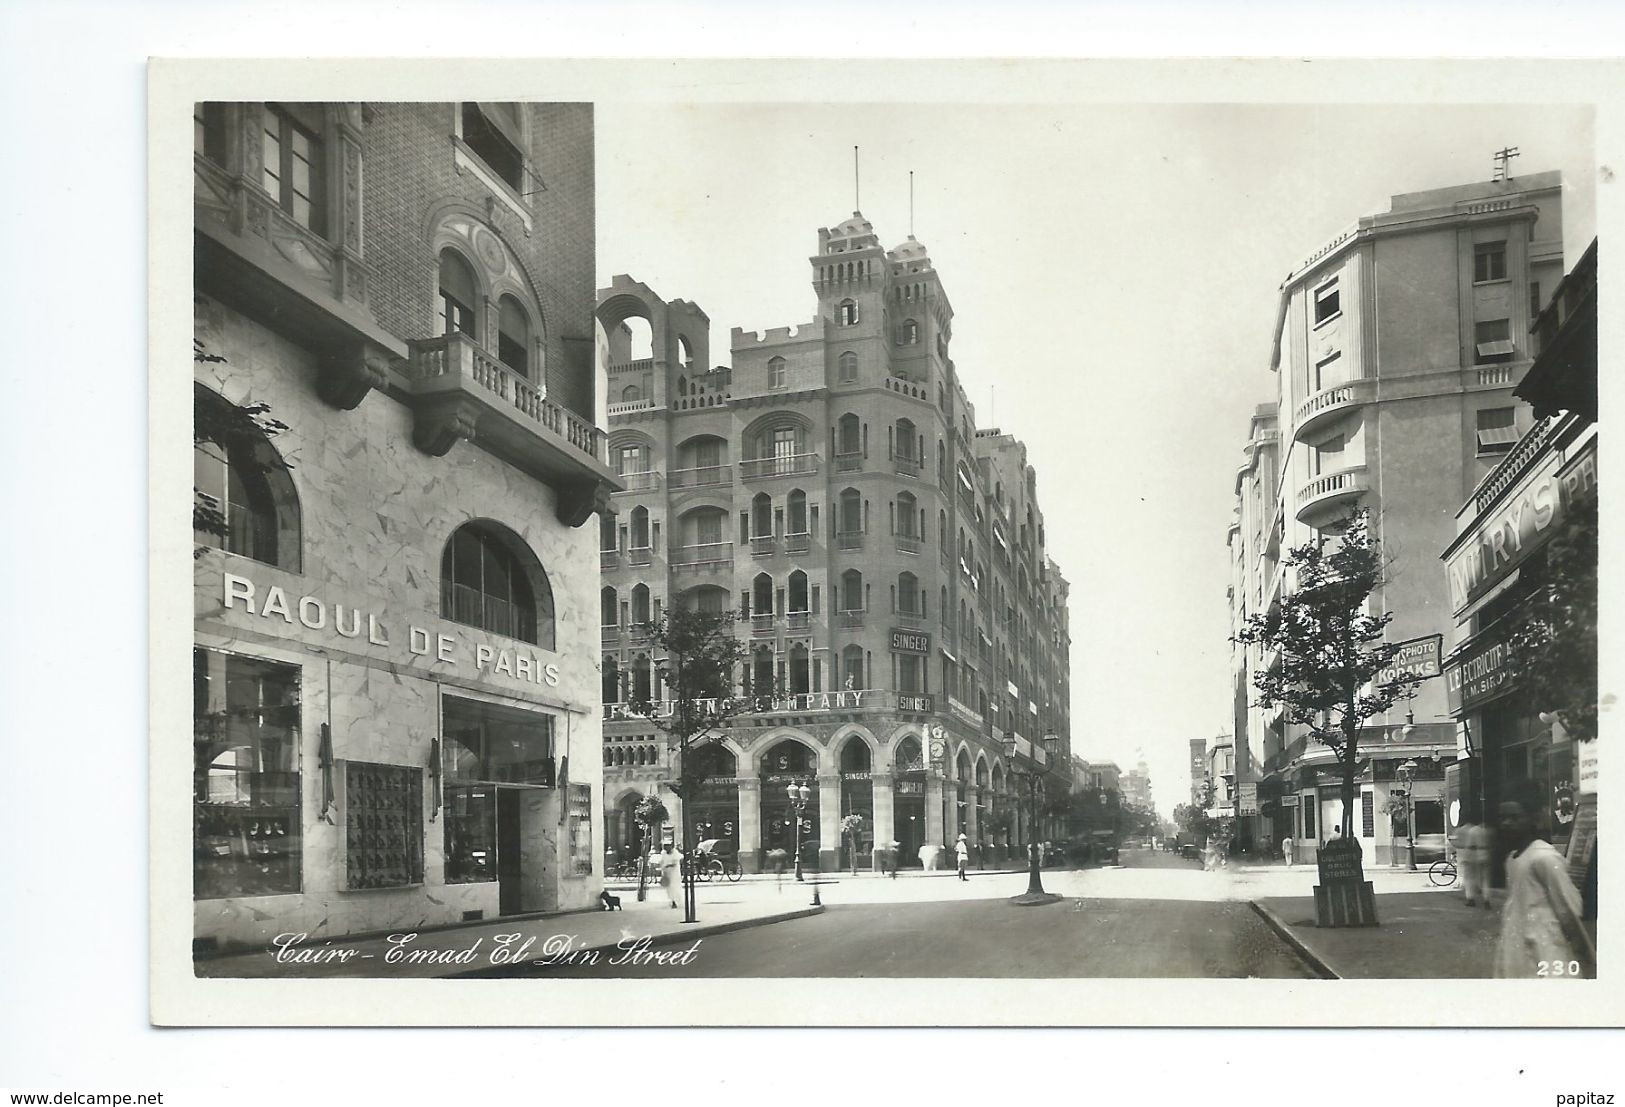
{"points": [[349, 622], [1512, 530]]}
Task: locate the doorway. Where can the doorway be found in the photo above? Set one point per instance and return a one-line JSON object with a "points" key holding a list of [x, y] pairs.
{"points": [[510, 882], [908, 822]]}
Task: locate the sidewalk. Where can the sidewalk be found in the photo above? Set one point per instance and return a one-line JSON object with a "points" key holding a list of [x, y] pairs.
{"points": [[466, 950], [1432, 935]]}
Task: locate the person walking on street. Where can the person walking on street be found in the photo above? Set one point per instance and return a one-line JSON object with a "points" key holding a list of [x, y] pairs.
{"points": [[1473, 844], [671, 867], [892, 858], [962, 852], [1286, 849], [1542, 932]]}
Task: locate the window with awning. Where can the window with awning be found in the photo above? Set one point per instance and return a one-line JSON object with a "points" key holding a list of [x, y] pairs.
{"points": [[1497, 431], [1492, 341]]}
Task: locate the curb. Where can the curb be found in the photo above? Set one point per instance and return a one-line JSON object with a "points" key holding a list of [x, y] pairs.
{"points": [[1308, 956], [671, 938]]}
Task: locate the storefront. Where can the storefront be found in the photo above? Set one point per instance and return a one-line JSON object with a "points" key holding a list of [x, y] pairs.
{"points": [[786, 763], [857, 798], [908, 802]]}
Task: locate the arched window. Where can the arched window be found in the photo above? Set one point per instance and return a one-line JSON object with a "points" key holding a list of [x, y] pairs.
{"points": [[244, 501], [846, 313], [848, 366], [852, 590], [795, 512], [848, 435], [490, 579], [855, 756], [761, 671], [638, 536], [908, 515], [608, 537], [641, 612], [761, 515], [851, 512], [458, 295], [942, 461], [761, 595], [906, 441], [942, 529], [612, 680], [797, 592], [513, 335], [631, 393], [642, 685], [852, 668], [609, 607], [775, 372], [908, 594], [909, 333]]}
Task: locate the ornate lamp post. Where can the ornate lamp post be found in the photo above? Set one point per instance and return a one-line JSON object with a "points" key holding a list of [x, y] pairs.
{"points": [[799, 795], [1033, 774], [1407, 773]]}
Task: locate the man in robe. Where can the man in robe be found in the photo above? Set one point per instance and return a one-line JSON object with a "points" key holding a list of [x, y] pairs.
{"points": [[1542, 934]]}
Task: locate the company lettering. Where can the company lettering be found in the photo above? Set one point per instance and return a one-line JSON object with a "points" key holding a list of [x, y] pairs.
{"points": [[1512, 530]]}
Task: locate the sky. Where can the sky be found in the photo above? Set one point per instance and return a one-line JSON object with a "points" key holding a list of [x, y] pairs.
{"points": [[1114, 274]]}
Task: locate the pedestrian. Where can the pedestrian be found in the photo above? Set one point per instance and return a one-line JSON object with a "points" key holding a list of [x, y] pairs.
{"points": [[1542, 932], [892, 858], [1287, 846], [1473, 845], [962, 853], [670, 864], [928, 856]]}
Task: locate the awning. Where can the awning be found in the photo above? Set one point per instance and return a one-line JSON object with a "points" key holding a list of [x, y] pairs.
{"points": [[1501, 347], [1497, 436], [1471, 609]]}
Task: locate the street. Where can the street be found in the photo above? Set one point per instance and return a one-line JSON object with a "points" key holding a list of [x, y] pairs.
{"points": [[942, 927]]}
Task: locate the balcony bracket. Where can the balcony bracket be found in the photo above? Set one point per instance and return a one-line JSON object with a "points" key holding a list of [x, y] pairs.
{"points": [[349, 373], [578, 502], [442, 419]]}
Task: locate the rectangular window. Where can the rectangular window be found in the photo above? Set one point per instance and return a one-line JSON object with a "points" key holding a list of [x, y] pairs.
{"points": [[1496, 430], [1329, 371], [1492, 341], [209, 131], [1326, 302], [784, 450], [1489, 262], [1534, 301], [909, 676], [383, 825], [708, 454], [1308, 804], [291, 168], [708, 528], [1368, 815], [245, 776], [492, 131], [1329, 456]]}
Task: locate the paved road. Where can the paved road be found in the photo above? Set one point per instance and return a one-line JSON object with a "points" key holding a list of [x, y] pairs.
{"points": [[990, 938]]}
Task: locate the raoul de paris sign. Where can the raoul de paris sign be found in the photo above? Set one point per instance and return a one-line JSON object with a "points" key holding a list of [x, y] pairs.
{"points": [[314, 613]]}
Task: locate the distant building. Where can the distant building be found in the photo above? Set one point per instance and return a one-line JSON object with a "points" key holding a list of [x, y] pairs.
{"points": [[1199, 769], [1396, 348], [1136, 787]]}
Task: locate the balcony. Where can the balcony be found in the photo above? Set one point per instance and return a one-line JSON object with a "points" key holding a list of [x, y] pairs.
{"points": [[786, 465], [1492, 376], [610, 634], [763, 546], [629, 407], [608, 559], [906, 466], [1328, 403], [849, 540], [850, 620], [705, 553], [762, 625], [1326, 497], [798, 621], [797, 543], [909, 618], [639, 555], [459, 390], [646, 481], [848, 462], [700, 476], [907, 543]]}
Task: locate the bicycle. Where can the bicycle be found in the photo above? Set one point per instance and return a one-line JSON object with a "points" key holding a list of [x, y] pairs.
{"points": [[1442, 872]]}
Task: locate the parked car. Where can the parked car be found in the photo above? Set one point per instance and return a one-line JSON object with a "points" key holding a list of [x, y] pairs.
{"points": [[1191, 851]]}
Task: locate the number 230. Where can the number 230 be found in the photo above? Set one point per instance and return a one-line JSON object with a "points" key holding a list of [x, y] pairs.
{"points": [[1557, 968]]}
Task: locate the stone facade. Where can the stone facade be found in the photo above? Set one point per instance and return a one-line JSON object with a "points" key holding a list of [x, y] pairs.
{"points": [[395, 439]]}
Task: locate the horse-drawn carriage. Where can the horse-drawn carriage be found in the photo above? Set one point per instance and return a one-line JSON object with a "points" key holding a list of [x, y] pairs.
{"points": [[716, 859]]}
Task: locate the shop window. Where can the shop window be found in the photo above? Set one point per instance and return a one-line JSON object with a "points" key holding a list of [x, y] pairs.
{"points": [[488, 579], [291, 167], [245, 776], [458, 295], [1496, 431], [513, 336], [1492, 342], [1489, 262], [1327, 302], [492, 131], [244, 500], [383, 825], [848, 367], [209, 129]]}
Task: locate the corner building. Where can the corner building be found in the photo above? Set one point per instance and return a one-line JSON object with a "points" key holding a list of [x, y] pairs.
{"points": [[396, 712], [1397, 346], [886, 556]]}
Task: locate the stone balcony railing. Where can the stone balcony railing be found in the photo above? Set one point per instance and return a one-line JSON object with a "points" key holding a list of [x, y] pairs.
{"points": [[1330, 402], [1322, 498], [705, 553], [627, 407], [906, 466], [646, 481], [787, 465], [700, 476], [639, 555], [907, 543], [1513, 464], [851, 619], [763, 545], [848, 462], [849, 540], [798, 542]]}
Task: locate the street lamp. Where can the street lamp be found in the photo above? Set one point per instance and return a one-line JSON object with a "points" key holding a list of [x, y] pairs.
{"points": [[1407, 772], [799, 795], [1034, 777]]}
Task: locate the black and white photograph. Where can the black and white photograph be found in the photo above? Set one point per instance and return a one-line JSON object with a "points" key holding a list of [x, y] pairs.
{"points": [[1102, 546]]}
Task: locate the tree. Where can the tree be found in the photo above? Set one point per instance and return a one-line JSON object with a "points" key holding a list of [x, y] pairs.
{"points": [[239, 430], [697, 672], [852, 826], [1331, 648], [1552, 642], [651, 814]]}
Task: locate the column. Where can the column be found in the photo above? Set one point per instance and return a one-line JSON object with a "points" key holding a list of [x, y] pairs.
{"points": [[973, 818], [829, 822], [933, 811], [750, 823], [885, 828]]}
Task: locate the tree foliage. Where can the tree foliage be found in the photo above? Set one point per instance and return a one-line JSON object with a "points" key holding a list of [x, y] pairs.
{"points": [[1552, 642], [239, 430], [1331, 648]]}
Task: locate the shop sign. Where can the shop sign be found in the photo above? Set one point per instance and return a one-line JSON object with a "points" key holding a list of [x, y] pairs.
{"points": [[1512, 531], [857, 776], [1477, 676], [1585, 772], [347, 622], [1417, 659], [910, 788], [910, 641], [1290, 799], [1247, 798], [913, 704]]}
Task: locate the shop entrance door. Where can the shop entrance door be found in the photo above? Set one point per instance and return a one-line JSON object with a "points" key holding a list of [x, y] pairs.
{"points": [[908, 821], [509, 884]]}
